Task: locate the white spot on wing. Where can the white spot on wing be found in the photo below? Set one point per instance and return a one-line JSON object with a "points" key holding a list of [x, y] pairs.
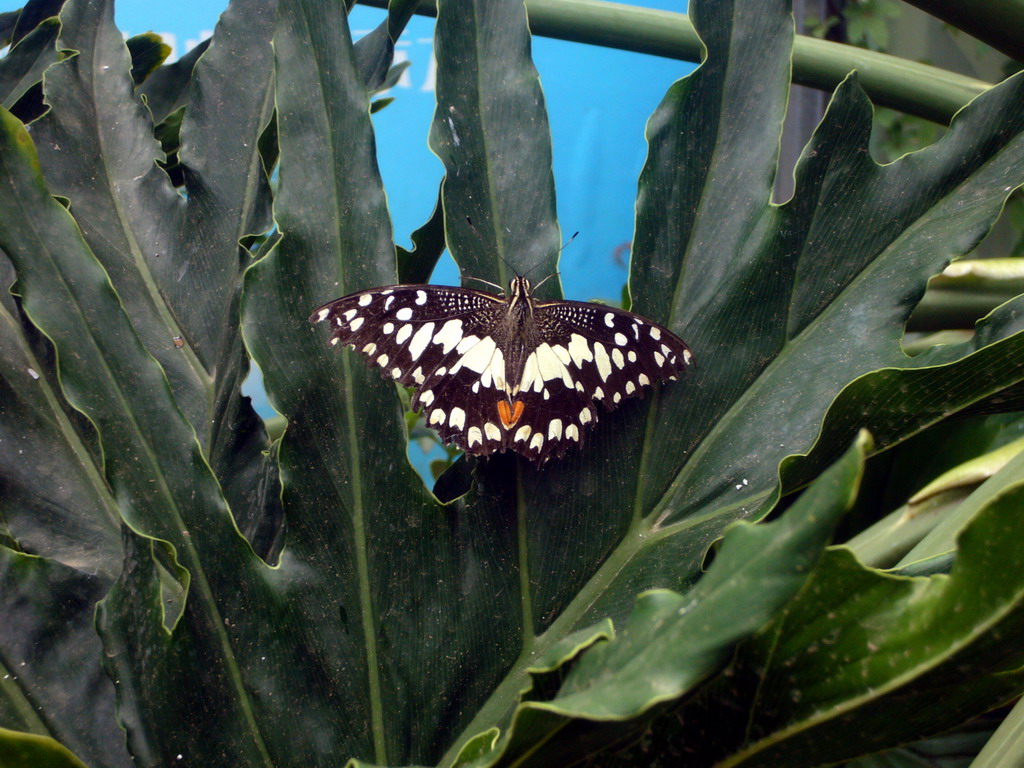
{"points": [[322, 314], [388, 327], [631, 355], [572, 432], [492, 431], [403, 333], [655, 333], [644, 381], [437, 416], [474, 436], [370, 348], [403, 314], [551, 366], [555, 429], [599, 394], [579, 350], [350, 313], [609, 319], [659, 358], [417, 376], [365, 299], [420, 340], [388, 303], [382, 360], [531, 374], [687, 356], [396, 373], [604, 365], [476, 356], [585, 416], [538, 441], [620, 339], [426, 397], [617, 397], [498, 370], [523, 432], [357, 324], [421, 297], [449, 335], [457, 418], [630, 387]]}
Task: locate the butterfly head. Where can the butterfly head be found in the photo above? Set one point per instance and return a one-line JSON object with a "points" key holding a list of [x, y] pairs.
{"points": [[519, 288]]}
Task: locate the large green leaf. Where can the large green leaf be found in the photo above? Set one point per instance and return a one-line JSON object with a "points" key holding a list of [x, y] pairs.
{"points": [[75, 520], [23, 66], [51, 683], [491, 132], [153, 463], [821, 683], [392, 586], [672, 642], [175, 262]]}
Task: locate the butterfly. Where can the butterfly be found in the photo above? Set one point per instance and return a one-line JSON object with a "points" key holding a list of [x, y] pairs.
{"points": [[505, 372]]}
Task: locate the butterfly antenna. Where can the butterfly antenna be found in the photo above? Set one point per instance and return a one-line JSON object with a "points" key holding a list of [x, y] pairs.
{"points": [[538, 285], [541, 262], [485, 282], [469, 221]]}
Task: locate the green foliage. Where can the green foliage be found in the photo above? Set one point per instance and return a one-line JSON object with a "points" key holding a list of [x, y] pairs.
{"points": [[228, 599]]}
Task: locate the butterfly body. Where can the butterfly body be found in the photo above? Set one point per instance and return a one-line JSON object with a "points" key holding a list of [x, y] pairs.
{"points": [[496, 373]]}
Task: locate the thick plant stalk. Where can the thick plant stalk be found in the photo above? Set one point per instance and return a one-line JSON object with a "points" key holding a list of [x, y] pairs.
{"points": [[890, 81]]}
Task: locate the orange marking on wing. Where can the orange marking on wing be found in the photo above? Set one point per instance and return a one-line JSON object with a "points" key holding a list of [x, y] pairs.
{"points": [[509, 415]]}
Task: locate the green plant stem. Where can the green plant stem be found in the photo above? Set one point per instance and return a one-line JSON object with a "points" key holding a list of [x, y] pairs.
{"points": [[907, 86], [884, 543], [996, 22]]}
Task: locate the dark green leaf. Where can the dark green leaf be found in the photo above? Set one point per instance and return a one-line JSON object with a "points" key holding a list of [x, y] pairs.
{"points": [[354, 554], [490, 117], [51, 684], [167, 89], [159, 248], [24, 64], [148, 52], [375, 52], [75, 519], [34, 13], [673, 642], [7, 21], [156, 470], [859, 645]]}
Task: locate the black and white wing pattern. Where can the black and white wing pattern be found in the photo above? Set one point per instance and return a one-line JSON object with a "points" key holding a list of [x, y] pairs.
{"points": [[505, 373], [588, 354], [437, 339]]}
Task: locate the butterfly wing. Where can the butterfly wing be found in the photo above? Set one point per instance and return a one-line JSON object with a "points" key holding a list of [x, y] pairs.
{"points": [[437, 339], [585, 354], [485, 392]]}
